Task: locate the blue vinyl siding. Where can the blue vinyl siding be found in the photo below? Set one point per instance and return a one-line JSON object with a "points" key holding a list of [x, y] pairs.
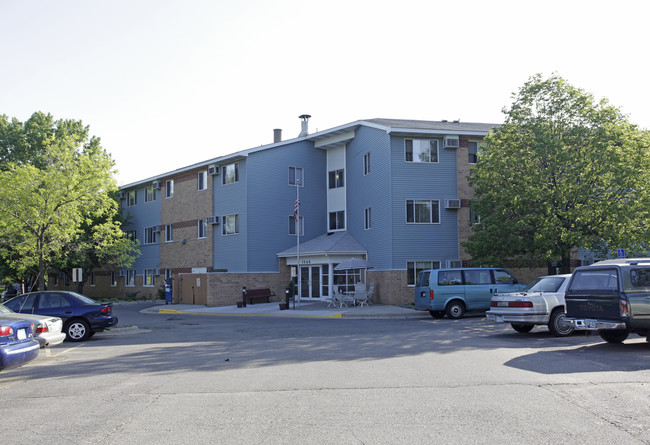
{"points": [[140, 216], [372, 190], [412, 180], [229, 251], [271, 201]]}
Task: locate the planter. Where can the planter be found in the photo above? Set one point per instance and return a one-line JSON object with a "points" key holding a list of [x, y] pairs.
{"points": [[240, 304], [283, 306]]}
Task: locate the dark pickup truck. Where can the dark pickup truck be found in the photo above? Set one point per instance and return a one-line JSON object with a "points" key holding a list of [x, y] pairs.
{"points": [[611, 297]]}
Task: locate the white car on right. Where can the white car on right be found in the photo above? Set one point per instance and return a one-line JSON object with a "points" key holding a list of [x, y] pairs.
{"points": [[540, 303]]}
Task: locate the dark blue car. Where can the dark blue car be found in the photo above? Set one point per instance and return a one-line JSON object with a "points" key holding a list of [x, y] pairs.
{"points": [[82, 316], [17, 344]]}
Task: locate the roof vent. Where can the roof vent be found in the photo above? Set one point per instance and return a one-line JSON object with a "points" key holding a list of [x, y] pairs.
{"points": [[277, 135]]}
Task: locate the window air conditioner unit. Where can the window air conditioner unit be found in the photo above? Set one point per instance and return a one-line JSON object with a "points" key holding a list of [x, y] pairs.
{"points": [[157, 228], [156, 272], [213, 170], [122, 273], [122, 195], [156, 185], [452, 203], [451, 142], [213, 220]]}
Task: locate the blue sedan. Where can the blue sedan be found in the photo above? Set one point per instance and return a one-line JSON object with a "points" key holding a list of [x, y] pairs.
{"points": [[17, 344], [82, 316]]}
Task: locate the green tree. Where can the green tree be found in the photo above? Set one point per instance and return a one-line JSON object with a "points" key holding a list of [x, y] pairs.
{"points": [[55, 181], [100, 244], [562, 172]]}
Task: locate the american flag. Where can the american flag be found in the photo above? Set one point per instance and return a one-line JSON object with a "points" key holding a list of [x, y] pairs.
{"points": [[295, 210]]}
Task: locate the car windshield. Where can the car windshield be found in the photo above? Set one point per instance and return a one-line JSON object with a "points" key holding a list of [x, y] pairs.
{"points": [[545, 284], [5, 310]]}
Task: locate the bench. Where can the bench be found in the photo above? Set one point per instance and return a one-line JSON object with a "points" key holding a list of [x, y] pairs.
{"points": [[258, 295]]}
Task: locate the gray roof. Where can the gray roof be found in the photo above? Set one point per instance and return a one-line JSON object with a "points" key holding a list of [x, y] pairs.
{"points": [[442, 126], [336, 242]]}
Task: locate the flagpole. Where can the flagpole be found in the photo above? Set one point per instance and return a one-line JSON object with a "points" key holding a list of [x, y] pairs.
{"points": [[298, 238]]}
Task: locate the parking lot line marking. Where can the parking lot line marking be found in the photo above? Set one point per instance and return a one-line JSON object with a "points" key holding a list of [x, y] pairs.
{"points": [[48, 352]]}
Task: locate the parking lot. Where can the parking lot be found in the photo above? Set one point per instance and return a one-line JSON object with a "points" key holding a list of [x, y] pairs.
{"points": [[180, 377]]}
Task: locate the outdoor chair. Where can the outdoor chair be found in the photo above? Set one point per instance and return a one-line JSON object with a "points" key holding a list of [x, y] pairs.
{"points": [[361, 295], [334, 300]]}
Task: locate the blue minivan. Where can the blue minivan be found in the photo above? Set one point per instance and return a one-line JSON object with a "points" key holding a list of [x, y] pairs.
{"points": [[455, 291]]}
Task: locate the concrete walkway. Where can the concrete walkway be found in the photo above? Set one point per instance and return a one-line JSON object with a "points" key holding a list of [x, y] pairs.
{"points": [[302, 310]]}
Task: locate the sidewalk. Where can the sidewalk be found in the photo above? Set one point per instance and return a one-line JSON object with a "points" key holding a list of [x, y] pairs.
{"points": [[302, 310]]}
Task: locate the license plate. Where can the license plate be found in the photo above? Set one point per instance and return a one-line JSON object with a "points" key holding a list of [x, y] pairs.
{"points": [[499, 319], [21, 334], [502, 303]]}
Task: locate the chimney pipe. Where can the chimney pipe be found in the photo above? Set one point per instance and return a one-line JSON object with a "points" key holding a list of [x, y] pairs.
{"points": [[305, 125], [277, 135]]}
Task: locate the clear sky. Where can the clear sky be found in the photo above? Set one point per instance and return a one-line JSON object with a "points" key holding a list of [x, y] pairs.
{"points": [[167, 83]]}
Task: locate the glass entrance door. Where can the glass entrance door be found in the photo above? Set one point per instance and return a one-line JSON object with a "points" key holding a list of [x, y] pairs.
{"points": [[310, 282]]}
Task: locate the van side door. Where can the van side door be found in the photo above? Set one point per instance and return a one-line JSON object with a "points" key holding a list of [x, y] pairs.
{"points": [[478, 288]]}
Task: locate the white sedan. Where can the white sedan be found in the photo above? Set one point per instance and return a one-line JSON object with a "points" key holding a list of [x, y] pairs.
{"points": [[540, 303], [47, 329]]}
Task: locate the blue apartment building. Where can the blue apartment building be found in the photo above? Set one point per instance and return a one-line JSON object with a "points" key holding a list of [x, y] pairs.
{"points": [[392, 192]]}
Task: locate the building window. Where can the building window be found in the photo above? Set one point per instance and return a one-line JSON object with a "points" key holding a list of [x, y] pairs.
{"points": [[148, 277], [419, 211], [169, 188], [337, 220], [149, 194], [230, 224], [150, 235], [367, 218], [168, 275], [132, 198], [113, 278], [129, 279], [202, 180], [131, 234], [336, 179], [472, 149], [414, 267], [474, 218], [421, 150], [55, 279], [230, 173], [292, 225], [92, 278], [202, 228], [366, 163], [296, 176], [169, 233]]}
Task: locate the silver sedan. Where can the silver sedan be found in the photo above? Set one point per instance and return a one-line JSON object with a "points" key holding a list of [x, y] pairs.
{"points": [[540, 303], [47, 329]]}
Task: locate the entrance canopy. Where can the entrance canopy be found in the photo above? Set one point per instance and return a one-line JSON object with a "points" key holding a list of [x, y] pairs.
{"points": [[317, 262], [332, 247]]}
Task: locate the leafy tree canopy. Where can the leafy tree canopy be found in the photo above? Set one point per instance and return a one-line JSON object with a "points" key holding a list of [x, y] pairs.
{"points": [[562, 172], [56, 186]]}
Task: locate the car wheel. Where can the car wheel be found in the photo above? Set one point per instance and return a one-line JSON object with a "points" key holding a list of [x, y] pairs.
{"points": [[557, 324], [522, 328], [455, 310], [614, 335], [77, 330], [437, 314]]}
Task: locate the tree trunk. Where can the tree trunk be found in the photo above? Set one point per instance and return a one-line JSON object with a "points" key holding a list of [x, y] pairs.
{"points": [[565, 264]]}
